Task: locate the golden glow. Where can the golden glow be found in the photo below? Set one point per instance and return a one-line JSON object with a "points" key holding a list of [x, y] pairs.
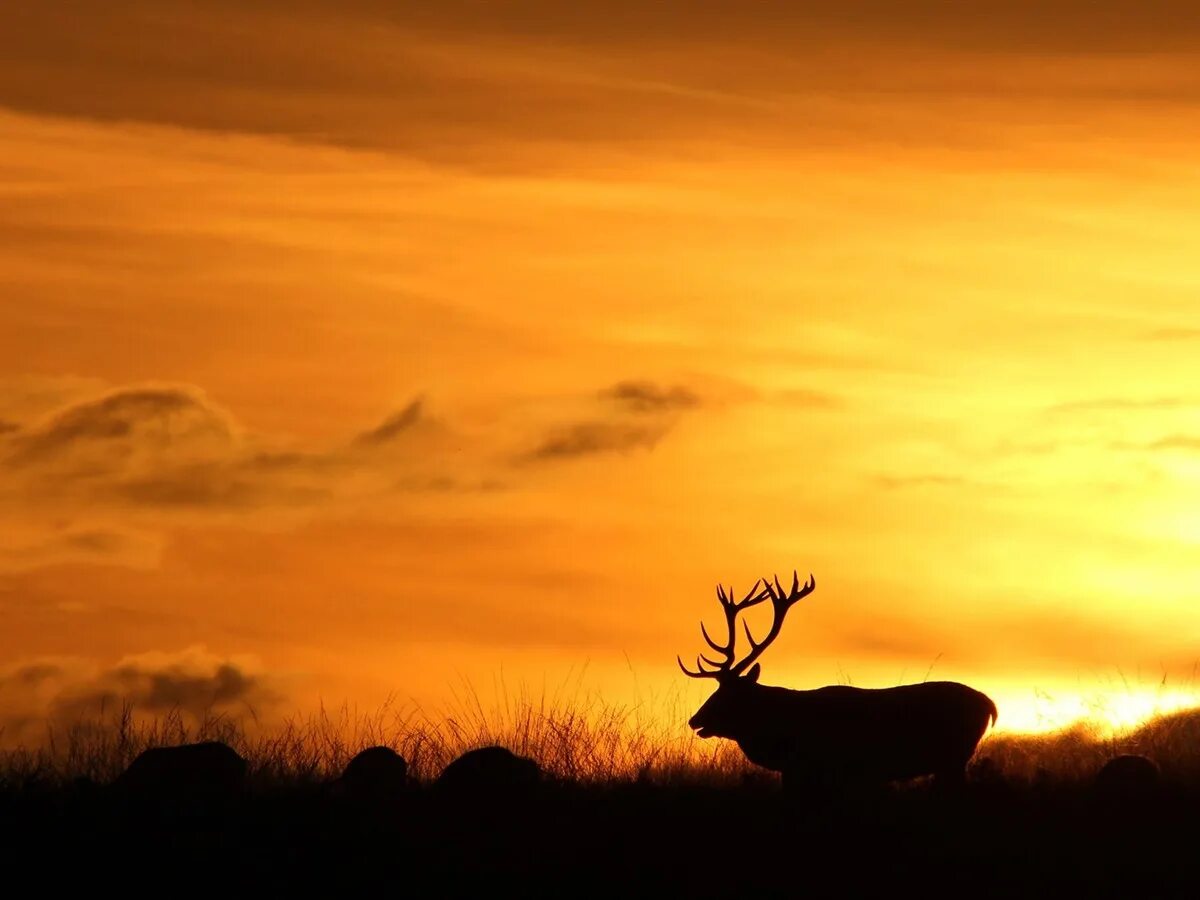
{"points": [[1108, 713], [447, 350]]}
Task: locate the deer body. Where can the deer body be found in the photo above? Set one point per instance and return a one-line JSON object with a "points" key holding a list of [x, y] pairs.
{"points": [[837, 734], [848, 734]]}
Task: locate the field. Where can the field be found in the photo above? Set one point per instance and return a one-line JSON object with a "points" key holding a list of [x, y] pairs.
{"points": [[627, 807]]}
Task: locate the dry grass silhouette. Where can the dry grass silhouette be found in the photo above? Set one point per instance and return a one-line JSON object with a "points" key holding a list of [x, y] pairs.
{"points": [[580, 738], [1075, 754], [584, 740]]}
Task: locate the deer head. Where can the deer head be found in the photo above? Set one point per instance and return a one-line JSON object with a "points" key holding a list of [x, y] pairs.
{"points": [[723, 714]]}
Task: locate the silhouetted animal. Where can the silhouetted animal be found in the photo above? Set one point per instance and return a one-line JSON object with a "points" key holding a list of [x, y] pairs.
{"points": [[209, 772], [838, 734], [375, 773], [490, 770], [1128, 777]]}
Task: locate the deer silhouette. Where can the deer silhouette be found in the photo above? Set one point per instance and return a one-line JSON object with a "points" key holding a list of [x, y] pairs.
{"points": [[838, 735]]}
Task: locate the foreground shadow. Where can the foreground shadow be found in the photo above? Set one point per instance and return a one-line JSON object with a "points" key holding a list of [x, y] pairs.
{"points": [[539, 837]]}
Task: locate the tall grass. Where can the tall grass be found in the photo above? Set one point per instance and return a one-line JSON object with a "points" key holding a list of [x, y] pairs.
{"points": [[579, 737], [1076, 753]]}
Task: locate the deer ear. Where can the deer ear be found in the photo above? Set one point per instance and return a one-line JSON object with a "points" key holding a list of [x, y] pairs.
{"points": [[753, 673]]}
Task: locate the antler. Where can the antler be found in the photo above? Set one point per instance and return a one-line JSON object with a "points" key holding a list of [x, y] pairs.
{"points": [[731, 608], [782, 601]]}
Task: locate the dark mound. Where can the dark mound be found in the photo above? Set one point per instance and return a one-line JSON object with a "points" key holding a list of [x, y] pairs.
{"points": [[192, 779], [375, 773], [1128, 777], [490, 769], [190, 769]]}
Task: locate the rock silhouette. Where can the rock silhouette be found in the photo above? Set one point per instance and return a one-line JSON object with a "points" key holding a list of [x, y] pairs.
{"points": [[192, 775], [377, 773], [490, 770]]}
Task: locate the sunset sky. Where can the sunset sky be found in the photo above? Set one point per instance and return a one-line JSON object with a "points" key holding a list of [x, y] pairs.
{"points": [[369, 348]]}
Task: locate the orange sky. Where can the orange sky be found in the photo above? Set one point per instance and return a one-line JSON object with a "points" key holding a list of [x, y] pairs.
{"points": [[358, 348]]}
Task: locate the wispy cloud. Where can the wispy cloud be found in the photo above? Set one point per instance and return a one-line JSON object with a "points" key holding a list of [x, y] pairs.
{"points": [[168, 453], [393, 426], [120, 429], [150, 446], [630, 415], [587, 438], [646, 396], [171, 447]]}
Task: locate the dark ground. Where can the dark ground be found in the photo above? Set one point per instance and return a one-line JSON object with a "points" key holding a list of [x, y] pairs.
{"points": [[568, 841]]}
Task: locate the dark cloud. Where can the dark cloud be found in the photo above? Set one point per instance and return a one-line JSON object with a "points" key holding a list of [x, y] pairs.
{"points": [[587, 438], [170, 688], [8, 427], [121, 426], [160, 446], [171, 448], [34, 674], [393, 426], [163, 446], [171, 451], [632, 414], [648, 397], [193, 682], [1100, 25], [454, 80]]}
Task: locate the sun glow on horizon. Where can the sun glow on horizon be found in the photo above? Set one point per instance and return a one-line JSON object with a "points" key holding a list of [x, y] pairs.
{"points": [[1103, 713]]}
